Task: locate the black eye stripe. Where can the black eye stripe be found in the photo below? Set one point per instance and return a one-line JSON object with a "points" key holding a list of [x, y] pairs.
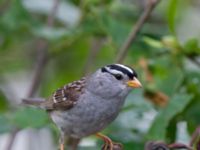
{"points": [[104, 70], [118, 76]]}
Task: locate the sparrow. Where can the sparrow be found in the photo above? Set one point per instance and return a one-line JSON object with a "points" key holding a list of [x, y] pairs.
{"points": [[86, 106]]}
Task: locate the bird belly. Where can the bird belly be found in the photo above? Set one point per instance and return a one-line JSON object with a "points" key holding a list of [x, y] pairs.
{"points": [[79, 122]]}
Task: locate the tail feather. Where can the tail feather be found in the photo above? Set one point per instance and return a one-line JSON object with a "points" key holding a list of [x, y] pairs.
{"points": [[33, 101]]}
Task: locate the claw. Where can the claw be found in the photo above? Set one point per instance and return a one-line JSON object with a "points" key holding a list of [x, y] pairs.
{"points": [[116, 146], [109, 144]]}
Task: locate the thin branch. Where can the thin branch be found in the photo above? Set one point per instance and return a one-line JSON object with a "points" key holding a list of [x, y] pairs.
{"points": [[192, 59], [39, 66], [135, 30], [51, 17], [42, 59], [12, 138], [195, 136]]}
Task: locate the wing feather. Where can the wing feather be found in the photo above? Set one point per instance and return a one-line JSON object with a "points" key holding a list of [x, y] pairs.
{"points": [[66, 97]]}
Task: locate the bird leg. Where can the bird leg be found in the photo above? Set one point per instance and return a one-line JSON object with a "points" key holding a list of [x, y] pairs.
{"points": [[108, 142], [62, 147], [73, 143], [62, 142]]}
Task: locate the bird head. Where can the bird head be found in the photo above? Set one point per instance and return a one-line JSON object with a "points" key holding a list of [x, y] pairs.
{"points": [[114, 79]]}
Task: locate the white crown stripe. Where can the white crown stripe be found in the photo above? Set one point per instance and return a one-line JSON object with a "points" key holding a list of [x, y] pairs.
{"points": [[114, 71], [125, 67]]}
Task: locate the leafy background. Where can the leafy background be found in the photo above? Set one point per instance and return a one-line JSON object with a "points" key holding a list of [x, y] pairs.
{"points": [[87, 35]]}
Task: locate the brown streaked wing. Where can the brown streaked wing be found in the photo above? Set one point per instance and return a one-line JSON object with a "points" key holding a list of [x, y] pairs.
{"points": [[67, 96]]}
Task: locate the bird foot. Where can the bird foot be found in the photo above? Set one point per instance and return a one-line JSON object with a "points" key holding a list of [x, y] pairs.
{"points": [[109, 144], [116, 146]]}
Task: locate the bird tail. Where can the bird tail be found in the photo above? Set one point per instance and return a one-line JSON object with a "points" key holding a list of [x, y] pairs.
{"points": [[38, 102]]}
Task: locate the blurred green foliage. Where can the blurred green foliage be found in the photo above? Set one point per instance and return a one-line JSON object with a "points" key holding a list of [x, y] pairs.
{"points": [[93, 41]]}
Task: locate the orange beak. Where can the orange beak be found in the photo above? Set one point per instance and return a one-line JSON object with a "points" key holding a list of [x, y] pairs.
{"points": [[135, 83]]}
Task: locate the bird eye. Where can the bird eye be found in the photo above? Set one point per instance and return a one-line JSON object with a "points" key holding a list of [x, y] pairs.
{"points": [[118, 76]]}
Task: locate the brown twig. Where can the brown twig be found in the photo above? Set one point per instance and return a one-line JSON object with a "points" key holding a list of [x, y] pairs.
{"points": [[194, 137], [51, 17], [159, 145], [12, 138], [42, 57], [193, 60], [194, 143], [135, 30], [39, 66]]}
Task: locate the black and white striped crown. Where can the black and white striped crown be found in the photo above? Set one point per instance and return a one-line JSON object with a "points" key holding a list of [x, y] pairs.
{"points": [[120, 69]]}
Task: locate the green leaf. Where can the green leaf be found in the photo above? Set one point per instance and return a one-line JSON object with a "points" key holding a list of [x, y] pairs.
{"points": [[15, 18], [172, 81], [191, 47], [152, 42], [175, 106], [3, 102], [29, 117], [172, 14], [5, 125]]}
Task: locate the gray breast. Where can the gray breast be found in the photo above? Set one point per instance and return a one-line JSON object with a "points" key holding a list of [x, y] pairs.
{"points": [[90, 115]]}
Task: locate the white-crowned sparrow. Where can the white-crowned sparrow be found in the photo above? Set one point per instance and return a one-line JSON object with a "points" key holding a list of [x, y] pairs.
{"points": [[87, 106]]}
